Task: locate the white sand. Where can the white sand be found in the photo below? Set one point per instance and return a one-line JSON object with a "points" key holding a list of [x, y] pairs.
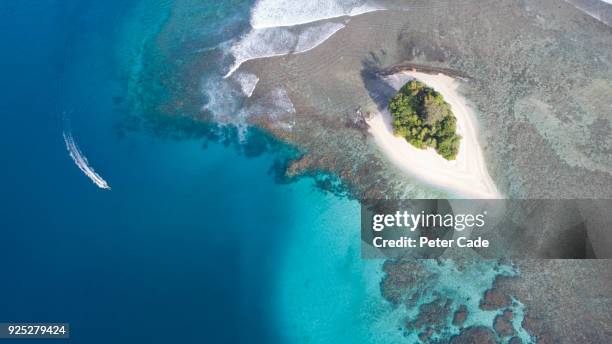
{"points": [[466, 176]]}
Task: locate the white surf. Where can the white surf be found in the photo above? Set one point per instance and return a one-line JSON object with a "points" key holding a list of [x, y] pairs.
{"points": [[275, 13], [278, 41], [247, 82]]}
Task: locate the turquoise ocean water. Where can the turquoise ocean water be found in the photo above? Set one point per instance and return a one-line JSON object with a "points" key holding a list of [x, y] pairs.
{"points": [[195, 242]]}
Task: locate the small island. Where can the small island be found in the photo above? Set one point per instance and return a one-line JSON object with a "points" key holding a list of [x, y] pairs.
{"points": [[424, 119]]}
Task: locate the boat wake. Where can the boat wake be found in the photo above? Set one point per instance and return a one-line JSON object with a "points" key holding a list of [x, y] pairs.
{"points": [[81, 161]]}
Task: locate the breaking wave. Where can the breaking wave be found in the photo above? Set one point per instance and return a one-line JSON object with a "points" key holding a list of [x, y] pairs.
{"points": [[598, 9], [81, 161], [222, 98], [268, 42], [276, 105], [278, 27], [247, 82], [275, 13], [227, 100]]}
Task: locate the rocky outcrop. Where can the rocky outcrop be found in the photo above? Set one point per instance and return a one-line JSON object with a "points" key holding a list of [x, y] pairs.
{"points": [[503, 324], [460, 316]]}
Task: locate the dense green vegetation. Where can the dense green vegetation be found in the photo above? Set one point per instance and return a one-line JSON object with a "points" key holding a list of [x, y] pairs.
{"points": [[421, 115]]}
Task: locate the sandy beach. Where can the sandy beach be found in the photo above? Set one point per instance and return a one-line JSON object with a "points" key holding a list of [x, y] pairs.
{"points": [[467, 176]]}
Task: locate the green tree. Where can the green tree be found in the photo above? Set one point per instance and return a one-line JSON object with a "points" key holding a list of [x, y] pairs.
{"points": [[424, 119]]}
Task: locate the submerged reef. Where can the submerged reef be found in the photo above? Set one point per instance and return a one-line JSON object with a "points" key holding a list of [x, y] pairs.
{"points": [[478, 302], [443, 301]]}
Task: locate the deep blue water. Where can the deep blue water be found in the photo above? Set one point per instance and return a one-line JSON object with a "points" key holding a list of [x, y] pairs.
{"points": [[186, 246]]}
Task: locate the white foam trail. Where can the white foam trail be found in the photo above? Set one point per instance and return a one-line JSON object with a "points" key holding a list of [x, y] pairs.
{"points": [[598, 9], [275, 13], [313, 36], [222, 99], [282, 103], [247, 82], [81, 161], [270, 42], [276, 28], [278, 107]]}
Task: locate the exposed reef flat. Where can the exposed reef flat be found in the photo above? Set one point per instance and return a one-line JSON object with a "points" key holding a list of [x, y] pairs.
{"points": [[539, 73]]}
